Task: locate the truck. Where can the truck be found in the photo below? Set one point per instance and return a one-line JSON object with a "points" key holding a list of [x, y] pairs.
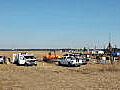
{"points": [[71, 61], [24, 59], [2, 59]]}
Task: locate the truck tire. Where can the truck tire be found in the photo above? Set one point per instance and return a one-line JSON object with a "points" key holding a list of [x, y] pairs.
{"points": [[78, 65], [59, 63], [3, 62], [18, 64], [35, 65], [69, 64], [26, 64]]}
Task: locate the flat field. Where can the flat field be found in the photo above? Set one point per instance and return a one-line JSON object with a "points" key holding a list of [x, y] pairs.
{"points": [[53, 77]]}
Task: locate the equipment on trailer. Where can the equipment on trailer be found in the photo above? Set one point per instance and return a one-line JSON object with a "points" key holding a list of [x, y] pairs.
{"points": [[51, 57]]}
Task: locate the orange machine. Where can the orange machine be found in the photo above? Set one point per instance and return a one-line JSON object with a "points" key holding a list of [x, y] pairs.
{"points": [[51, 56]]}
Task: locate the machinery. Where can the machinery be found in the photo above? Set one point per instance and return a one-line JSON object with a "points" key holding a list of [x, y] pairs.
{"points": [[24, 59], [51, 57]]}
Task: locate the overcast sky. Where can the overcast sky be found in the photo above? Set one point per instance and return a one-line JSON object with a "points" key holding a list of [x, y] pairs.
{"points": [[59, 23]]}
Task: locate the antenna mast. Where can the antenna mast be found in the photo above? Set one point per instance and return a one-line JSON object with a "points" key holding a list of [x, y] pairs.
{"points": [[109, 37]]}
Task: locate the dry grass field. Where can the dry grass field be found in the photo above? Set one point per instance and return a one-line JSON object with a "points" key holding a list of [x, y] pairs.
{"points": [[52, 77]]}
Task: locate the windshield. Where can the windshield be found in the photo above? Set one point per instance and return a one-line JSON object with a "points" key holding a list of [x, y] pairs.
{"points": [[29, 57], [68, 55], [71, 58]]}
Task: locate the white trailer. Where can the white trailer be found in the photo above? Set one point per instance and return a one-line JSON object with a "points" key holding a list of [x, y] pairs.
{"points": [[24, 59]]}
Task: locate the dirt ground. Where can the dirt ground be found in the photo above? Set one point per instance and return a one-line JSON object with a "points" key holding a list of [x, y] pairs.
{"points": [[53, 77]]}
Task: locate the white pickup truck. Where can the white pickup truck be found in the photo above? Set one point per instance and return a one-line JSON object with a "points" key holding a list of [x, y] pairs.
{"points": [[24, 59], [71, 61]]}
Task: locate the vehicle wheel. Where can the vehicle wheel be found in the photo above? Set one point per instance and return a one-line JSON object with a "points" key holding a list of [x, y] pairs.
{"points": [[26, 64], [69, 64], [78, 65], [59, 63], [35, 65], [18, 64], [2, 62], [49, 61]]}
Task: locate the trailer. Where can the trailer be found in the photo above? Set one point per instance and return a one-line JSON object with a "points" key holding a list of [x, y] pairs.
{"points": [[24, 59]]}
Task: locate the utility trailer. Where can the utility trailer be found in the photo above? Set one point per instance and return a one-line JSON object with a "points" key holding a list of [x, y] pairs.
{"points": [[24, 59]]}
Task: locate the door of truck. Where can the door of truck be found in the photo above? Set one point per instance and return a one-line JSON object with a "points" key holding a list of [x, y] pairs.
{"points": [[21, 60]]}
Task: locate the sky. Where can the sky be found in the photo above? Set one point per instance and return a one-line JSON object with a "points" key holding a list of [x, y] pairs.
{"points": [[59, 23]]}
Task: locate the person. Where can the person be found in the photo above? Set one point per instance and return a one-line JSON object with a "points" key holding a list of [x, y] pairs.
{"points": [[4, 59], [8, 61], [98, 59]]}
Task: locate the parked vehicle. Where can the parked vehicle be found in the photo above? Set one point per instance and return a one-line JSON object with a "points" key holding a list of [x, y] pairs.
{"points": [[72, 61], [2, 59], [84, 61], [68, 55], [24, 59]]}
